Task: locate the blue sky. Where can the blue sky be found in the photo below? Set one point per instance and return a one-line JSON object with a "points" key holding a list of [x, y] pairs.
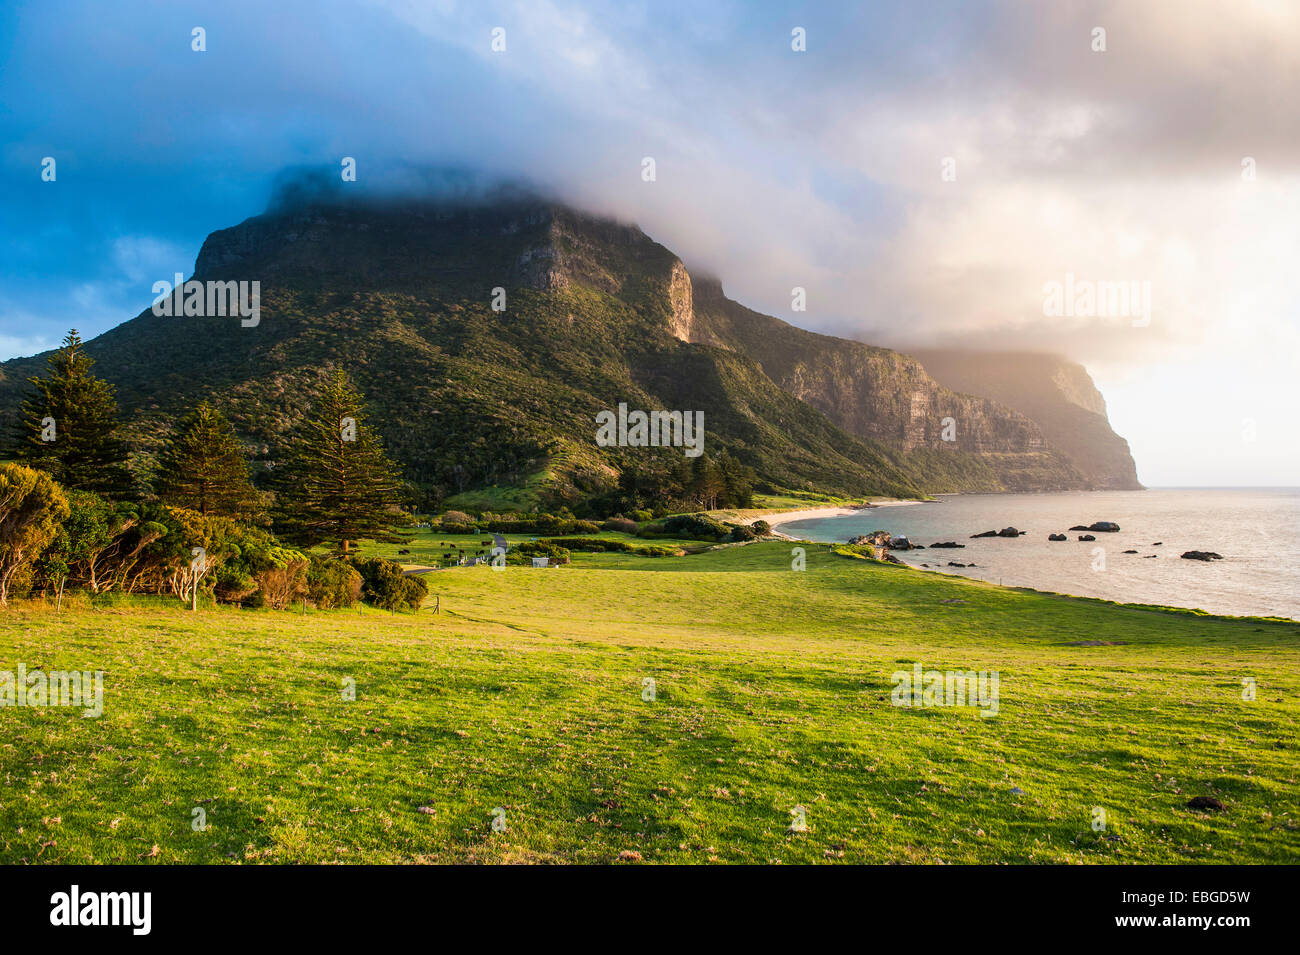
{"points": [[776, 168]]}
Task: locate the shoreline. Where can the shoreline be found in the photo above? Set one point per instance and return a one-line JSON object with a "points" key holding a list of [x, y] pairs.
{"points": [[778, 518]]}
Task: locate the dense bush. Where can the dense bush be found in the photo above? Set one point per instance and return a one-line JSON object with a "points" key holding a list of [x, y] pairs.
{"points": [[525, 552], [456, 528], [761, 528], [688, 526], [332, 583], [543, 525], [620, 524], [282, 577], [597, 545], [742, 533], [385, 586], [32, 508], [232, 585]]}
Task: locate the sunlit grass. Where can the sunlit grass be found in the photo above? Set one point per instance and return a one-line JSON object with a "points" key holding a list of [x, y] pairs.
{"points": [[772, 690]]}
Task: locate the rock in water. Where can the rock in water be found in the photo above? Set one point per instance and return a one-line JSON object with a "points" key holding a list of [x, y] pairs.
{"points": [[1009, 532], [1086, 537], [875, 539], [1105, 527], [1201, 555]]}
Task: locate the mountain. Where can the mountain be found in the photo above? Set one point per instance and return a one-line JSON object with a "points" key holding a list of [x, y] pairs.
{"points": [[399, 293], [1058, 395]]}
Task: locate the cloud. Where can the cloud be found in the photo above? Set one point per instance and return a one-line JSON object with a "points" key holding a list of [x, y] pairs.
{"points": [[819, 169]]}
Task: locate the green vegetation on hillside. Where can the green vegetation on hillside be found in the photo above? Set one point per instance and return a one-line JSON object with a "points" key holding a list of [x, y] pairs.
{"points": [[491, 409]]}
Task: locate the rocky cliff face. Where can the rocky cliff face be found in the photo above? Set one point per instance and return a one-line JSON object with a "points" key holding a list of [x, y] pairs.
{"points": [[963, 439], [1058, 395]]}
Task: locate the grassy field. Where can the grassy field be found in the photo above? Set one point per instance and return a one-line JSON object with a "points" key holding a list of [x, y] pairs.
{"points": [[522, 700]]}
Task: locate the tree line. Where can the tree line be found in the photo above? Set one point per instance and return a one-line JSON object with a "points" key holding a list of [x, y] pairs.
{"points": [[71, 512]]}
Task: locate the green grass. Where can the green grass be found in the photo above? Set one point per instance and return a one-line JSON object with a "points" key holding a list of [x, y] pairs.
{"points": [[773, 690]]}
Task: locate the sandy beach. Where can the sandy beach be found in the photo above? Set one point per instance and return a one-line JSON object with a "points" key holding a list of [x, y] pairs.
{"points": [[810, 513]]}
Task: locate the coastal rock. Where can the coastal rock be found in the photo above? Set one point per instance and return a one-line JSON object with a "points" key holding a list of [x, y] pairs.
{"points": [[1056, 537], [1086, 537], [985, 534], [1130, 552], [900, 543], [1010, 532], [1201, 555], [947, 544], [875, 539], [953, 563], [1078, 527], [1104, 527]]}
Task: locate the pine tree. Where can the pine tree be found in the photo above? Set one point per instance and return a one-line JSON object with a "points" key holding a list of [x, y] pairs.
{"points": [[707, 485], [69, 425], [204, 469], [337, 485], [737, 479]]}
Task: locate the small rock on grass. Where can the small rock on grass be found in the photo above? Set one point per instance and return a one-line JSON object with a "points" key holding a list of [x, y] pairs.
{"points": [[1206, 802]]}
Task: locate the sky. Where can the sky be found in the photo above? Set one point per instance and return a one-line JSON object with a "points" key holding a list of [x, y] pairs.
{"points": [[924, 171]]}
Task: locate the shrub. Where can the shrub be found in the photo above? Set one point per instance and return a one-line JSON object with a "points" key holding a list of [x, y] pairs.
{"points": [[525, 552], [332, 583], [455, 517], [282, 578], [543, 525], [385, 586], [32, 508], [761, 528], [620, 524], [233, 585], [458, 528], [742, 533], [689, 526]]}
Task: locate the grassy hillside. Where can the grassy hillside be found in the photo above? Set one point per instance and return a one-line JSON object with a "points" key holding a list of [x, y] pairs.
{"points": [[773, 691]]}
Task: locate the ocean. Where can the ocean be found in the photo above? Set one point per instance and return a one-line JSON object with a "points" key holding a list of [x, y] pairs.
{"points": [[1257, 530]]}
